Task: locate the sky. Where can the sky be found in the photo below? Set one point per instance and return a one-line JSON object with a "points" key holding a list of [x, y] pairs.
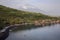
{"points": [[51, 7]]}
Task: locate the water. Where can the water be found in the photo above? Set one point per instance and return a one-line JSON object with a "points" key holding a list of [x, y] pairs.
{"points": [[42, 33]]}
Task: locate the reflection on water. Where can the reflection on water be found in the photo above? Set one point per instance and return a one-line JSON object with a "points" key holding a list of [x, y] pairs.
{"points": [[45, 33]]}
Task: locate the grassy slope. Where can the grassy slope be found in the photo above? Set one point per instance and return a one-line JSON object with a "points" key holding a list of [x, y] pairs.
{"points": [[13, 16]]}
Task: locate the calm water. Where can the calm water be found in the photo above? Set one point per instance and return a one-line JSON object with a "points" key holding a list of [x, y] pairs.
{"points": [[44, 33]]}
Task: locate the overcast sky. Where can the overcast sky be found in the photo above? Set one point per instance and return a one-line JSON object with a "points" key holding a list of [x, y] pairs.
{"points": [[52, 7]]}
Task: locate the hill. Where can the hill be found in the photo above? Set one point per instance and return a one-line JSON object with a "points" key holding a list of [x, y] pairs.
{"points": [[9, 16]]}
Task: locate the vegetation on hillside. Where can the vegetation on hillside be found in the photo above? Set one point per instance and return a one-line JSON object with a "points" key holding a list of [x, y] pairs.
{"points": [[9, 16]]}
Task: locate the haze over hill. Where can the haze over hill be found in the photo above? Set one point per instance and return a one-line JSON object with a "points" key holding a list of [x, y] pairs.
{"points": [[49, 7], [31, 8]]}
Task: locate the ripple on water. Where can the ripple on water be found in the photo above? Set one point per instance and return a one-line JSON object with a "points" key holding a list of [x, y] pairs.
{"points": [[45, 33]]}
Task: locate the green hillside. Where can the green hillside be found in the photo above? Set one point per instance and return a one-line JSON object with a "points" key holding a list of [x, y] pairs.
{"points": [[10, 16]]}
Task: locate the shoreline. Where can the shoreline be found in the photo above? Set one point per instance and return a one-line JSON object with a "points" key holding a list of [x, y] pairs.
{"points": [[4, 33]]}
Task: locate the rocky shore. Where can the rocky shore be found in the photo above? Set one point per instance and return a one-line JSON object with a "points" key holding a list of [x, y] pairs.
{"points": [[46, 22], [35, 23]]}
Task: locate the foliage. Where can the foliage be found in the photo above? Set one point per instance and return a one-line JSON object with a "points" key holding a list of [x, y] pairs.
{"points": [[10, 16]]}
